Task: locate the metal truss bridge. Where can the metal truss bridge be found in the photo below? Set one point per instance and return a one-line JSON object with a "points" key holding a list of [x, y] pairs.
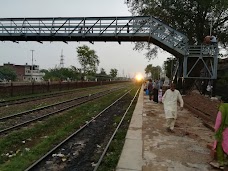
{"points": [[118, 29]]}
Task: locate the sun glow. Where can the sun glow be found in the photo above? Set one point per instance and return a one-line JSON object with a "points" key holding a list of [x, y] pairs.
{"points": [[139, 77]]}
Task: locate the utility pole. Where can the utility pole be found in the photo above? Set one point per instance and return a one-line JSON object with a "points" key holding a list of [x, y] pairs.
{"points": [[32, 65]]}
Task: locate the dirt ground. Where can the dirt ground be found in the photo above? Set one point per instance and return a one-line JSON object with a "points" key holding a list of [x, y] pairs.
{"points": [[202, 103], [184, 150]]}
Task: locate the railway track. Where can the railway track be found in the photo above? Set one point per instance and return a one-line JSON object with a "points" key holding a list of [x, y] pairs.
{"points": [[22, 100], [28, 99], [18, 120], [17, 108], [85, 148]]}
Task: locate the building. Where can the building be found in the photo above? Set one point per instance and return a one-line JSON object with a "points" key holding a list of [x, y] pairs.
{"points": [[26, 72]]}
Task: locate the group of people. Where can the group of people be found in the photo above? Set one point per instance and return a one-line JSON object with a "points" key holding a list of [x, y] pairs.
{"points": [[169, 99], [153, 87], [220, 147]]}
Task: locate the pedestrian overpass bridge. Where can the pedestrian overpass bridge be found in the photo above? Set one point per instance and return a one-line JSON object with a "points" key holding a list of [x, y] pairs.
{"points": [[116, 29]]}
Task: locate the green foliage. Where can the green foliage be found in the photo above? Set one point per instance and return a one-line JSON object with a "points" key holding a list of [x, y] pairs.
{"points": [[103, 71], [58, 74], [169, 67], [102, 76], [7, 73], [153, 71], [113, 72], [54, 133], [88, 59], [148, 69], [191, 17], [223, 78]]}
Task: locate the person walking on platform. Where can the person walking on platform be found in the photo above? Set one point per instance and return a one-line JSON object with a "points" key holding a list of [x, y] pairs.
{"points": [[169, 99], [145, 86], [150, 89], [221, 136], [155, 91]]}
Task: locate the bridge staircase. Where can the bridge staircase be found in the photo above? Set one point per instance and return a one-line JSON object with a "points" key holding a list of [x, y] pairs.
{"points": [[198, 67]]}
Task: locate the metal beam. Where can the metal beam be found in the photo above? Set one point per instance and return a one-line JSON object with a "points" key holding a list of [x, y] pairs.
{"points": [[122, 29], [113, 29]]}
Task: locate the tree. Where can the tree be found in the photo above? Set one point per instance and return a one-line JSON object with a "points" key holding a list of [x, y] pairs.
{"points": [[154, 71], [58, 74], [103, 72], [87, 59], [191, 17], [7, 73], [113, 72], [148, 69], [169, 67]]}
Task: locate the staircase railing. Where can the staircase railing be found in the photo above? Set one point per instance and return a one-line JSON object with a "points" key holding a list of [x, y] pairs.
{"points": [[204, 58]]}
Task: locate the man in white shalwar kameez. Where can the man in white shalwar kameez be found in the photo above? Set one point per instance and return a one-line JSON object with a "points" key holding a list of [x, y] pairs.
{"points": [[169, 100]]}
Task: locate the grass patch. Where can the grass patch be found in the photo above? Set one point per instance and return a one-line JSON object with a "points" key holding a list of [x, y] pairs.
{"points": [[45, 135], [53, 92], [75, 93]]}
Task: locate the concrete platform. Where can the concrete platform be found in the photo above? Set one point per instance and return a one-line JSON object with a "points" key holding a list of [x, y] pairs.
{"points": [[148, 147]]}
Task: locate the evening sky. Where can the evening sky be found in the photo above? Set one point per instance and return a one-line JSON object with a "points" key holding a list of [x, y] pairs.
{"points": [[47, 55]]}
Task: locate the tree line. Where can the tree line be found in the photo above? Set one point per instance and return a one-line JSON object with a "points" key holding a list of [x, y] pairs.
{"points": [[88, 60], [194, 18]]}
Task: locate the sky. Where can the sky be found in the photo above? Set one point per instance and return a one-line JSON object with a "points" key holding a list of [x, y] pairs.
{"points": [[127, 61]]}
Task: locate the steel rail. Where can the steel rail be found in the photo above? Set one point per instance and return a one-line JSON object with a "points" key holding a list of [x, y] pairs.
{"points": [[117, 128], [27, 99], [72, 135], [44, 107], [38, 97], [58, 111], [40, 108]]}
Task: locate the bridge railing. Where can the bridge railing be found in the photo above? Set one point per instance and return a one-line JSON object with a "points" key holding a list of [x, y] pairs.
{"points": [[140, 28], [204, 58]]}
